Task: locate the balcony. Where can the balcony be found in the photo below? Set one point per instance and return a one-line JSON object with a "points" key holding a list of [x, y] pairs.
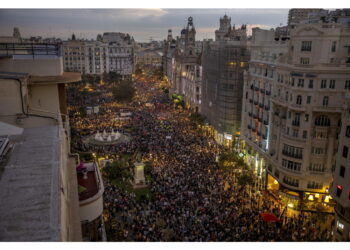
{"points": [[251, 87], [249, 127], [256, 103], [297, 156], [267, 108], [254, 129], [256, 89], [89, 181], [296, 123], [266, 122], [268, 92], [262, 91], [261, 105], [250, 101], [264, 137]]}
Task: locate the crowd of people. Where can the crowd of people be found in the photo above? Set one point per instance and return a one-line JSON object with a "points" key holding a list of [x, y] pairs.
{"points": [[192, 198]]}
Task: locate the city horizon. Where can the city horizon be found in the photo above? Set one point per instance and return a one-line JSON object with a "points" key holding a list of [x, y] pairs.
{"points": [[142, 24]]}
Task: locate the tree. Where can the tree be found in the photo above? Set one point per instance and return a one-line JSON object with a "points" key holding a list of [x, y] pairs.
{"points": [[117, 170], [124, 91], [245, 178]]}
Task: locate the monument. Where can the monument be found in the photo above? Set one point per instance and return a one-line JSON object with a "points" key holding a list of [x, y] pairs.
{"points": [[139, 175]]}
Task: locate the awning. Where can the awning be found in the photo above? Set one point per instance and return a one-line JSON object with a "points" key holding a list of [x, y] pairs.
{"points": [[268, 217]]}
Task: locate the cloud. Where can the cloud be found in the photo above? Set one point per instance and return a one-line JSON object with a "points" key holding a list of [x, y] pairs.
{"points": [[140, 23]]}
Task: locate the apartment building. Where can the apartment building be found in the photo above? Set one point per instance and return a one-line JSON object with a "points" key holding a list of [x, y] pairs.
{"points": [[39, 198], [256, 104], [306, 106], [340, 188], [112, 52]]}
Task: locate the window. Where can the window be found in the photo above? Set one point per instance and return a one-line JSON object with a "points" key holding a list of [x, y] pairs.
{"points": [[325, 101], [301, 83], [316, 167], [311, 84], [299, 100], [306, 117], [334, 46], [314, 185], [323, 84], [304, 134], [308, 100], [347, 132], [332, 84], [292, 82], [304, 60], [347, 84], [292, 151], [306, 45], [318, 151], [291, 165], [323, 121], [339, 190], [295, 133], [342, 171], [345, 151]]}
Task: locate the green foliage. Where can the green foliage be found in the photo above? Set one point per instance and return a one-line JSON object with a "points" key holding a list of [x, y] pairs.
{"points": [[85, 157], [124, 91], [197, 118], [117, 170], [82, 112], [245, 178]]}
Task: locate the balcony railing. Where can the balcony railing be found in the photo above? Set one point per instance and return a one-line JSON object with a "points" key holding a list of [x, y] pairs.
{"points": [[296, 123], [297, 156], [31, 49]]}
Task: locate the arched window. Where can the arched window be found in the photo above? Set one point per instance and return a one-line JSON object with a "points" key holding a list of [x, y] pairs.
{"points": [[299, 100], [322, 120]]}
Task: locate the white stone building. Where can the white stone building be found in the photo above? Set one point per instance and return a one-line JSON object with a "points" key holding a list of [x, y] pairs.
{"points": [[306, 105]]}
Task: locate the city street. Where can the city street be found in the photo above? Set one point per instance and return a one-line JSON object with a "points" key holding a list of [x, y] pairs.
{"points": [[190, 198]]}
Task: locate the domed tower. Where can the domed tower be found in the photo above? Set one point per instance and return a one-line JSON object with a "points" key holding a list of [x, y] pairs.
{"points": [[190, 38]]}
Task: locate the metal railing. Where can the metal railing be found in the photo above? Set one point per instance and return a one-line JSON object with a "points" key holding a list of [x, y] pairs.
{"points": [[32, 49]]}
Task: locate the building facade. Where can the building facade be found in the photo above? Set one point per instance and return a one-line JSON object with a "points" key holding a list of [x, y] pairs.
{"points": [[38, 182], [224, 62], [182, 66], [306, 104], [112, 52], [340, 188]]}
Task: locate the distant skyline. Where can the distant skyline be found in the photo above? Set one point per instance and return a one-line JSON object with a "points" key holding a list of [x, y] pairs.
{"points": [[142, 24]]}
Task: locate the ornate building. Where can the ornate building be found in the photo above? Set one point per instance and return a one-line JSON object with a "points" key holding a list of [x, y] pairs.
{"points": [[297, 138], [224, 62]]}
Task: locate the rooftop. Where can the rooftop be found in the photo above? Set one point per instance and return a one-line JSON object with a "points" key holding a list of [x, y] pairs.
{"points": [[29, 207]]}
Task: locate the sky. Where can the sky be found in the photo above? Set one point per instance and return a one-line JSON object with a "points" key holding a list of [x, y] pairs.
{"points": [[142, 24]]}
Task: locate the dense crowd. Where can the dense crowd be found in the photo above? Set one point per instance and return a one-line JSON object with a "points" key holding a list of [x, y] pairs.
{"points": [[191, 200]]}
